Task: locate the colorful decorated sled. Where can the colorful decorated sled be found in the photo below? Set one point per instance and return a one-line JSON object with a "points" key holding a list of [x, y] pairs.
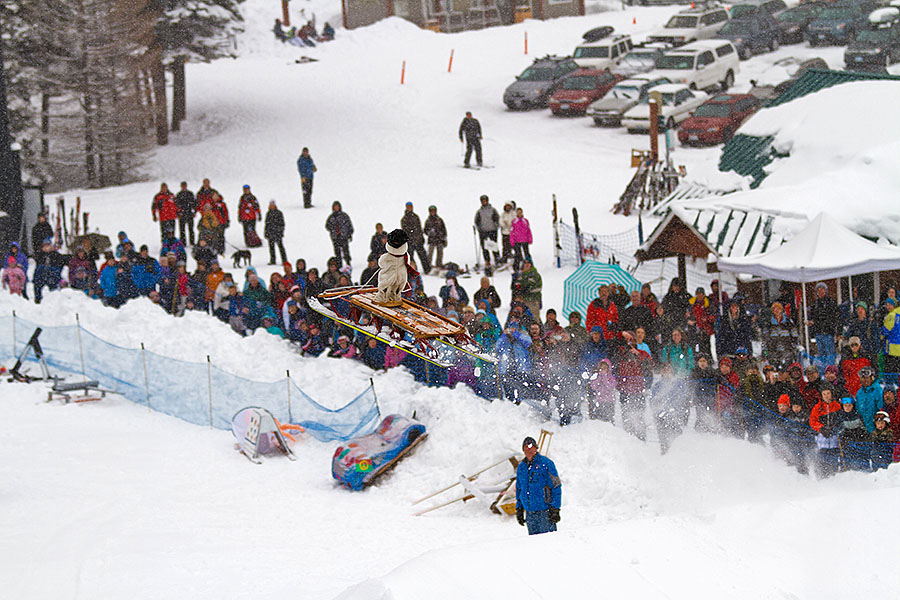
{"points": [[359, 462], [410, 327]]}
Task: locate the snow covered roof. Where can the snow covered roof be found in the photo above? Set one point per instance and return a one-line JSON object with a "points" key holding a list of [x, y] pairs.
{"points": [[823, 250]]}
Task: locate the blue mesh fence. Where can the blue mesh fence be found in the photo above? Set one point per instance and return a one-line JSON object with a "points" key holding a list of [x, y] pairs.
{"points": [[199, 393]]}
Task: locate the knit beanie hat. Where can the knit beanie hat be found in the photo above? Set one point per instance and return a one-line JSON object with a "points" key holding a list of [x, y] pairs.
{"points": [[396, 242]]}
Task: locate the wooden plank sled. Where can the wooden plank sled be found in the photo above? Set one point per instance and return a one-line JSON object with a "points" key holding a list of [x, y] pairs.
{"points": [[420, 321], [473, 490], [66, 391]]}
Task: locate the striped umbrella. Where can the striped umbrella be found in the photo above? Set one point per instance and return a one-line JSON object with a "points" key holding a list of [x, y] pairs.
{"points": [[580, 288]]}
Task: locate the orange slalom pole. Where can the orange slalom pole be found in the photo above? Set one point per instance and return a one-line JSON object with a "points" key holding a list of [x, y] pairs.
{"points": [[450, 65], [526, 42], [403, 72]]}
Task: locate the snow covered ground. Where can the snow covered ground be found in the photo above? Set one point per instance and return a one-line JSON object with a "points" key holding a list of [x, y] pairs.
{"points": [[104, 500]]}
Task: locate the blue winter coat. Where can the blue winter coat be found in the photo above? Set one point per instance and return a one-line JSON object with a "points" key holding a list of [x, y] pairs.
{"points": [[21, 258], [591, 354], [305, 166], [513, 351], [537, 485], [108, 282], [146, 280], [869, 400]]}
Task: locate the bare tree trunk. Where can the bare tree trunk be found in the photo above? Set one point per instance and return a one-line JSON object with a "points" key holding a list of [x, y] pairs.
{"points": [[90, 169], [179, 93], [159, 96], [45, 124]]}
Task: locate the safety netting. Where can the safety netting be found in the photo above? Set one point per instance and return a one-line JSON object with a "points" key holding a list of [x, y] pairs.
{"points": [[199, 393]]}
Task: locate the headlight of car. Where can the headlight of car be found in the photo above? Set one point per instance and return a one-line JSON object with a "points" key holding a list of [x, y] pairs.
{"points": [[582, 99]]}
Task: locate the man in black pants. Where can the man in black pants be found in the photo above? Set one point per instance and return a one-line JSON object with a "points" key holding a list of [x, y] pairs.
{"points": [[187, 207], [274, 232], [472, 130]]}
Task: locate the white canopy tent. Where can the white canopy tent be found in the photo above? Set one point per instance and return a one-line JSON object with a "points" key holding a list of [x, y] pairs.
{"points": [[825, 249]]}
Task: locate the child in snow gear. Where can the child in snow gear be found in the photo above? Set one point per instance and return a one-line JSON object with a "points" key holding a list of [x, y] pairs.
{"points": [[538, 491], [471, 128], [392, 277], [248, 215]]}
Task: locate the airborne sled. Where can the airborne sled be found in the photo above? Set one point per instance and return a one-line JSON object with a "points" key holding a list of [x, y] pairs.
{"points": [[410, 327]]}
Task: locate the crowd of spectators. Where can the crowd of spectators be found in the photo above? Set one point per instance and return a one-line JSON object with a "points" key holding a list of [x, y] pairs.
{"points": [[628, 353]]}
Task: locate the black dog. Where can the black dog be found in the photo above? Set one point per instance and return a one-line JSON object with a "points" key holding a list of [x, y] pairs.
{"points": [[240, 255]]}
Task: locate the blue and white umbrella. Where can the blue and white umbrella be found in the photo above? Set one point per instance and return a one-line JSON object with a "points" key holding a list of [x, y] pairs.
{"points": [[580, 288]]}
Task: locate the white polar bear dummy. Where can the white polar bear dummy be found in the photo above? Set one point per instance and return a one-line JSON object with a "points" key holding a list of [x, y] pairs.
{"points": [[392, 277]]}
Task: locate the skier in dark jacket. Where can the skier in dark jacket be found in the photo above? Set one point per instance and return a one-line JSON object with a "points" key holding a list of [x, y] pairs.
{"points": [[48, 269], [538, 491], [825, 323], [340, 228], [436, 231], [487, 222], [677, 301], [40, 232], [412, 225], [471, 128], [186, 204], [274, 232]]}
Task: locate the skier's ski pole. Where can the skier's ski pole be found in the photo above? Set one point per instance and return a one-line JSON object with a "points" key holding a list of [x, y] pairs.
{"points": [[477, 254]]}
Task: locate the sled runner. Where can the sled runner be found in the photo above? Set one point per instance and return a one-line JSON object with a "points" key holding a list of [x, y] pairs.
{"points": [[410, 327]]}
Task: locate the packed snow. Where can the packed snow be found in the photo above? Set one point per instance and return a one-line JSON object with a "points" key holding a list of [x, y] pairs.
{"points": [[108, 500]]}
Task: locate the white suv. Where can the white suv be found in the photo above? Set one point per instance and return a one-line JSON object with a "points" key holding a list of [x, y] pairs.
{"points": [[603, 54], [691, 25], [700, 65]]}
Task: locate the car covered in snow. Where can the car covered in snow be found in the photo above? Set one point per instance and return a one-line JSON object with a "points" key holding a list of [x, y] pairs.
{"points": [[716, 120], [579, 89], [605, 53], [700, 65], [691, 25], [782, 75], [678, 100], [878, 44], [641, 59], [358, 462], [533, 88], [839, 22], [608, 111]]}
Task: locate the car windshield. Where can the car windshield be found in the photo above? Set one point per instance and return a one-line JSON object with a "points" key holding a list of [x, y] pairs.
{"points": [[742, 10], [836, 14], [668, 99], [713, 110], [580, 82], [537, 74], [675, 61], [681, 22], [740, 27], [641, 57], [592, 52], [877, 36], [626, 92]]}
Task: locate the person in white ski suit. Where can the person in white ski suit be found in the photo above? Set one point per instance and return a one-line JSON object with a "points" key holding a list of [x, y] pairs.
{"points": [[392, 277]]}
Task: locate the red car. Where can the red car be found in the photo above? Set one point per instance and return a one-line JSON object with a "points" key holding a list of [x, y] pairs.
{"points": [[580, 89], [716, 120]]}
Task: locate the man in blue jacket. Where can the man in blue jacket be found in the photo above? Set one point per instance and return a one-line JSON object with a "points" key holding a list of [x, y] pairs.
{"points": [[538, 491], [307, 168]]}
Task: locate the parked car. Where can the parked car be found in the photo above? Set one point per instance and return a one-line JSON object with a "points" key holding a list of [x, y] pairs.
{"points": [[838, 23], [782, 75], [691, 25], [700, 65], [641, 59], [751, 34], [602, 54], [716, 120], [537, 83], [608, 111], [879, 44], [581, 88], [749, 8], [677, 103], [357, 463], [794, 22]]}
